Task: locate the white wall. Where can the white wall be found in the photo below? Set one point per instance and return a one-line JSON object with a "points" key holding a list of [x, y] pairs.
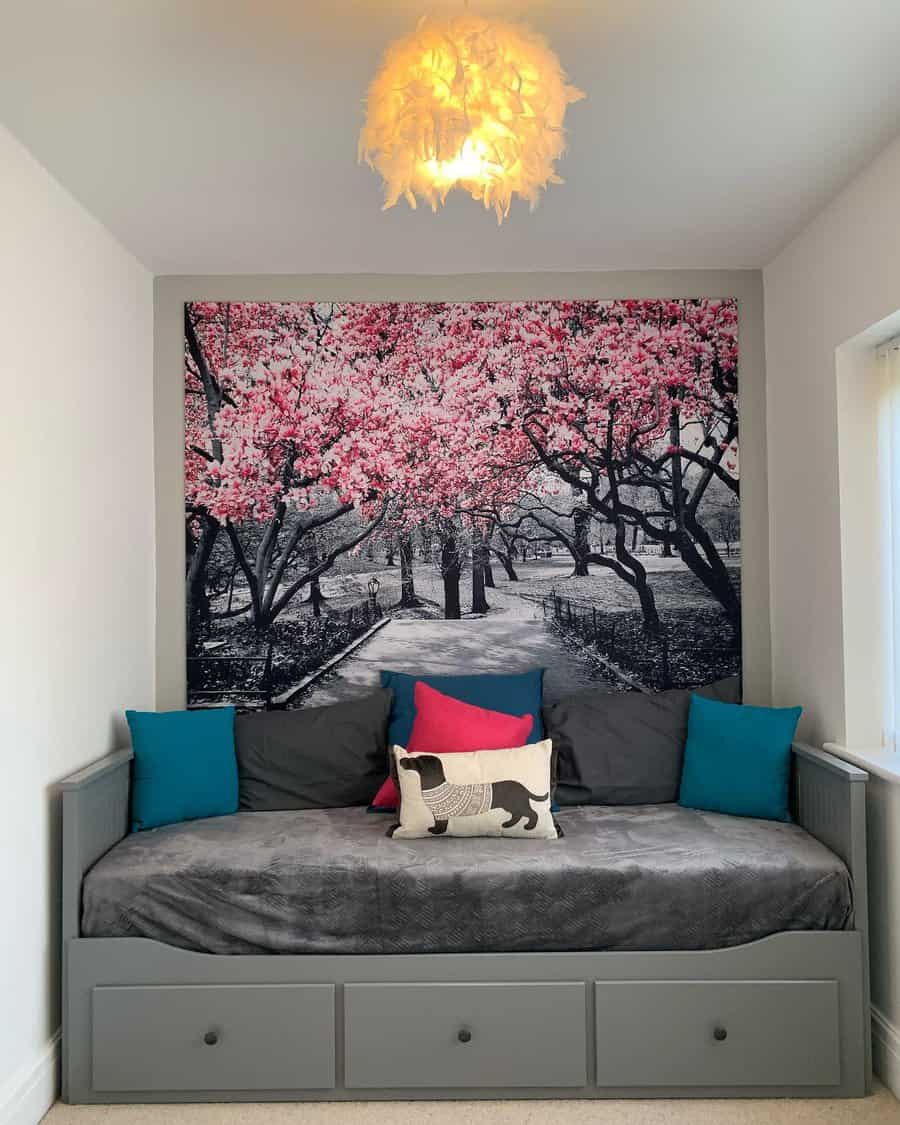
{"points": [[76, 564], [834, 281]]}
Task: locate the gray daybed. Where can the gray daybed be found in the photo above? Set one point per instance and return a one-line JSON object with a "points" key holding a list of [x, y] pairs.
{"points": [[654, 951]]}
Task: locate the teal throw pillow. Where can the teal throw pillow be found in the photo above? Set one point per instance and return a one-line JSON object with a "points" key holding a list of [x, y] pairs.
{"points": [[184, 766], [738, 759]]}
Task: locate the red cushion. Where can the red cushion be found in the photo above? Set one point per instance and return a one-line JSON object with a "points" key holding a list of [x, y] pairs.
{"points": [[444, 725]]}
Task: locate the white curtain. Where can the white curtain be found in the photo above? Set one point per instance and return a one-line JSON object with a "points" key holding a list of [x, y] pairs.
{"points": [[889, 465]]}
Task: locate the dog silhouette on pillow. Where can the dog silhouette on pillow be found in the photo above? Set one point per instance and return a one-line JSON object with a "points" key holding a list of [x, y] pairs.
{"points": [[445, 798]]}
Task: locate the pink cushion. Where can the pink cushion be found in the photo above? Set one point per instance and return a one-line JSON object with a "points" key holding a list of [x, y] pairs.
{"points": [[444, 725]]}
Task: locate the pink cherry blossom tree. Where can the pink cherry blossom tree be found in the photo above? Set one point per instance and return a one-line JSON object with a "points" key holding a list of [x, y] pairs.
{"points": [[279, 444], [638, 398], [310, 427], [450, 457]]}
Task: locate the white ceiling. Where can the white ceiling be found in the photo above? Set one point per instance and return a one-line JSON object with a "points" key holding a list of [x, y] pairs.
{"points": [[219, 136]]}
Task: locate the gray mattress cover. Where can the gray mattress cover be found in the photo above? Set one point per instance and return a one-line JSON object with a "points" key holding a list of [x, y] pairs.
{"points": [[331, 881]]}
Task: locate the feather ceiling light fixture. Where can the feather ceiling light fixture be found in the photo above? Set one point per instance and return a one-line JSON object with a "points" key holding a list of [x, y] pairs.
{"points": [[467, 102]]}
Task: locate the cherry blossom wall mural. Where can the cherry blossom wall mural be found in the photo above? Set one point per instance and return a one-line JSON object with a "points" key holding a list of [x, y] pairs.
{"points": [[467, 486]]}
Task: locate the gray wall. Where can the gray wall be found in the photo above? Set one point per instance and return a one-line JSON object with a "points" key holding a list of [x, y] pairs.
{"points": [[172, 292]]}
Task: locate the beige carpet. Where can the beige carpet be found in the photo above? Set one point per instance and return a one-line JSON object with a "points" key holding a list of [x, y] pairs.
{"points": [[880, 1109]]}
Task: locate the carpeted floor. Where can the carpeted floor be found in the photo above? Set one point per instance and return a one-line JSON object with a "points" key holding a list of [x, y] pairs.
{"points": [[880, 1109]]}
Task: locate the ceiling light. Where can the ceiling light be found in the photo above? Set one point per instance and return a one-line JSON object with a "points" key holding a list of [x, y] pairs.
{"points": [[467, 102]]}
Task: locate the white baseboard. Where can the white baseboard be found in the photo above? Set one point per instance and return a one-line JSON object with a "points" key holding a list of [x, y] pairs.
{"points": [[28, 1095], [886, 1051]]}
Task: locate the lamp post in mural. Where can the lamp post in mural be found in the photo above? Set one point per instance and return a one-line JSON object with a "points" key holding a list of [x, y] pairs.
{"points": [[373, 585]]}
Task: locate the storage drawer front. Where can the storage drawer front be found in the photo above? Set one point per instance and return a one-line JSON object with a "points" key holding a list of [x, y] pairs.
{"points": [[670, 1033], [266, 1037], [408, 1035]]}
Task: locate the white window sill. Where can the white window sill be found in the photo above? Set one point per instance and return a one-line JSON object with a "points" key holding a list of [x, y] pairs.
{"points": [[878, 761]]}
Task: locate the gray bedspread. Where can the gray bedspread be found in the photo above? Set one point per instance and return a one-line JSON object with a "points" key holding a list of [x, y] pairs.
{"points": [[331, 881]]}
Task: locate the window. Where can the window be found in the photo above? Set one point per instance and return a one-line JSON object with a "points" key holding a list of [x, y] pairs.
{"points": [[888, 360], [867, 369]]}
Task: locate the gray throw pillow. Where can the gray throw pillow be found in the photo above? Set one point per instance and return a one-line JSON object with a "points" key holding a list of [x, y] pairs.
{"points": [[314, 757], [624, 748]]}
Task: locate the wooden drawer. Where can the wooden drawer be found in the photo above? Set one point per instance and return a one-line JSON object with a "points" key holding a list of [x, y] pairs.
{"points": [[444, 1035], [717, 1033], [213, 1037]]}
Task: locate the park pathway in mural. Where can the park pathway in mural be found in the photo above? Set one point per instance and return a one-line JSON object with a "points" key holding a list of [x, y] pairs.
{"points": [[514, 628], [459, 487]]}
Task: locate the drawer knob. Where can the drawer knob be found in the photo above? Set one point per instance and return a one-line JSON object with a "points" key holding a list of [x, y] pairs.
{"points": [[464, 1035], [211, 1038], [719, 1034]]}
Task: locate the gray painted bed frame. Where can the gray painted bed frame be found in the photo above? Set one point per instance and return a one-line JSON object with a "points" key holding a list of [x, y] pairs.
{"points": [[147, 1022]]}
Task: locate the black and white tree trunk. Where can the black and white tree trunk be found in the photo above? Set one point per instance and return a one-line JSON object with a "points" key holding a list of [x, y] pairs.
{"points": [[199, 551], [408, 597], [479, 561], [451, 569]]}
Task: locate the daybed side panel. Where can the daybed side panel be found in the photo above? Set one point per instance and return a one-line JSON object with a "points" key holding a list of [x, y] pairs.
{"points": [[94, 818], [829, 799]]}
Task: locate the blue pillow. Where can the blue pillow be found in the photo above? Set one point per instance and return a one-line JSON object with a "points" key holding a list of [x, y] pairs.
{"points": [[514, 694], [184, 766], [738, 759]]}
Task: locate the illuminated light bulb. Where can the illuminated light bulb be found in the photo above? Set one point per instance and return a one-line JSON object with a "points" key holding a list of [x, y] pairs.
{"points": [[471, 103]]}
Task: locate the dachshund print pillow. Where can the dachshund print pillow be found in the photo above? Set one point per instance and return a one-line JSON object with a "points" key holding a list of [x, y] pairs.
{"points": [[476, 793]]}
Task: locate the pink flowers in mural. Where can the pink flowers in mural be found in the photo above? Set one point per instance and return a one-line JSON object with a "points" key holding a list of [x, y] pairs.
{"points": [[315, 429]]}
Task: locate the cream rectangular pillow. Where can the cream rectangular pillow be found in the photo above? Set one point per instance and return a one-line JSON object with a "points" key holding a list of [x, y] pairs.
{"points": [[476, 793]]}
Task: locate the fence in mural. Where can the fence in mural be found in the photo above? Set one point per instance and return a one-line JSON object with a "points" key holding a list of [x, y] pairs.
{"points": [[280, 661], [652, 661]]}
